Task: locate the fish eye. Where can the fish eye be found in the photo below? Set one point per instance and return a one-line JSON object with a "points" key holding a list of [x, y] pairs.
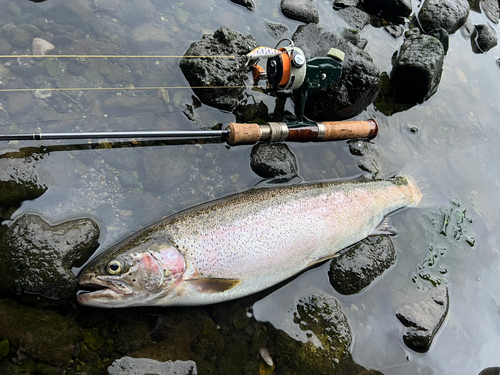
{"points": [[114, 267]]}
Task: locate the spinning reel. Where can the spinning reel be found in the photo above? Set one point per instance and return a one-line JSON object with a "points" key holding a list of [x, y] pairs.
{"points": [[288, 69]]}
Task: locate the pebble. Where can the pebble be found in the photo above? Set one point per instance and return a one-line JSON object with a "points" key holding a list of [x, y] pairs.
{"points": [[42, 47]]}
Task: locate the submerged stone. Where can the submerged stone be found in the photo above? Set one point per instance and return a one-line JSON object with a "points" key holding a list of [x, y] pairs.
{"points": [[42, 334], [148, 37], [221, 72], [417, 70], [37, 258], [300, 10], [447, 14], [423, 314], [357, 268], [358, 85]]}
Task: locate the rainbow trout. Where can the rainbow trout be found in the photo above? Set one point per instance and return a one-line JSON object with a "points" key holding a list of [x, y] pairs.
{"points": [[242, 244]]}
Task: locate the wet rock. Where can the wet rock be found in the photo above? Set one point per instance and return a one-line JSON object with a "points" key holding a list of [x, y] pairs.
{"points": [[352, 35], [328, 349], [467, 29], [417, 70], [492, 10], [128, 105], [391, 8], [447, 14], [37, 258], [76, 13], [277, 30], [249, 4], [442, 36], [484, 38], [235, 355], [42, 334], [270, 160], [357, 268], [4, 348], [148, 37], [358, 85], [219, 72], [21, 179], [41, 46], [423, 314], [145, 366], [490, 371], [300, 10], [354, 17]]}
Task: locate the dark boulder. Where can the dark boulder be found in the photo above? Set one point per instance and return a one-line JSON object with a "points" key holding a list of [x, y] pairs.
{"points": [[443, 36], [484, 38], [300, 10], [423, 314], [249, 4], [270, 160], [219, 72], [361, 264], [417, 69], [447, 14], [389, 8], [37, 258], [358, 85]]}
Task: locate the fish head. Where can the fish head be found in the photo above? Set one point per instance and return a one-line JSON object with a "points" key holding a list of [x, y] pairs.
{"points": [[132, 274]]}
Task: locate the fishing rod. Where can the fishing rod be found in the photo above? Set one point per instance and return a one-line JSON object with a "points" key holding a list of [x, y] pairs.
{"points": [[287, 70], [234, 134]]}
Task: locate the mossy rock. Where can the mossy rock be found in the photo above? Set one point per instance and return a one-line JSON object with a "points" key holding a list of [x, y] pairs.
{"points": [[322, 316], [43, 334]]}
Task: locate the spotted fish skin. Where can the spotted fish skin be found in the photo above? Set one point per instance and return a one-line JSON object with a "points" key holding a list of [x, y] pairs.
{"points": [[245, 243]]}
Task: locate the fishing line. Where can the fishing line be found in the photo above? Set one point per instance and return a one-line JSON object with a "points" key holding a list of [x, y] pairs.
{"points": [[123, 88], [119, 56]]}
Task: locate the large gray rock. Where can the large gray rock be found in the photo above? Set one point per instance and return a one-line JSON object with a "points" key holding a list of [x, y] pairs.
{"points": [[362, 264], [300, 10], [358, 85], [37, 258], [484, 38], [423, 314], [448, 14], [219, 72], [417, 69], [355, 17]]}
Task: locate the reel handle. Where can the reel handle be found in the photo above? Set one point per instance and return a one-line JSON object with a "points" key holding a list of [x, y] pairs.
{"points": [[320, 131]]}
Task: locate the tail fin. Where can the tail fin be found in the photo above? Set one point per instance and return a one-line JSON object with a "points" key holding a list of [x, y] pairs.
{"points": [[419, 179]]}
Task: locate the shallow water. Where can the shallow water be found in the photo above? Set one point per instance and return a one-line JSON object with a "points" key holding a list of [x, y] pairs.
{"points": [[457, 143]]}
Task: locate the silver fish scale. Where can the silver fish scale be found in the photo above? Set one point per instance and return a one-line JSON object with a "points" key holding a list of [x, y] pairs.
{"points": [[281, 231]]}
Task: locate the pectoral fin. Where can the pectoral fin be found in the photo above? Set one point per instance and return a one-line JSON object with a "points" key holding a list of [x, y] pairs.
{"points": [[385, 227], [322, 259], [209, 285]]}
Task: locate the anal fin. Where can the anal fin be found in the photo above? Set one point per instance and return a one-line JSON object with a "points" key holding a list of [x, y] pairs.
{"points": [[385, 228], [322, 259], [212, 285]]}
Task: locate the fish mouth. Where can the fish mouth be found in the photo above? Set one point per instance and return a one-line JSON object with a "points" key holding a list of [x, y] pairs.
{"points": [[102, 288]]}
